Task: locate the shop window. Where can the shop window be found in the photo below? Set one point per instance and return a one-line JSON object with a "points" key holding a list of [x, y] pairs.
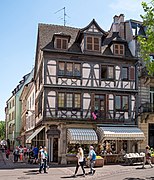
{"points": [[69, 69], [121, 103], [93, 43], [69, 100], [118, 49], [107, 72]]}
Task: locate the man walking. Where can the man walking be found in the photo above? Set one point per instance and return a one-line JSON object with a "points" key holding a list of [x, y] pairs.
{"points": [[92, 157]]}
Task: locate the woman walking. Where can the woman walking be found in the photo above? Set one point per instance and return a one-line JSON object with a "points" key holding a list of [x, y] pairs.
{"points": [[80, 161]]}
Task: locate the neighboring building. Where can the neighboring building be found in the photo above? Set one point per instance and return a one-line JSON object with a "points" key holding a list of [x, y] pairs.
{"points": [[13, 115], [86, 90], [27, 99], [146, 84], [10, 120]]}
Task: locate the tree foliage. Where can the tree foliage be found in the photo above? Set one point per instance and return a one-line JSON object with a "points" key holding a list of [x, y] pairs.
{"points": [[2, 130], [147, 43]]}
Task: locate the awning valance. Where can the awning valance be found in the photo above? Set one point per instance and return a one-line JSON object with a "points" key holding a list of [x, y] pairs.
{"points": [[81, 136], [120, 133], [29, 139]]}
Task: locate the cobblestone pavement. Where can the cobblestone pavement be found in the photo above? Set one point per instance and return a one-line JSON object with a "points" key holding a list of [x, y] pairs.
{"points": [[16, 171]]}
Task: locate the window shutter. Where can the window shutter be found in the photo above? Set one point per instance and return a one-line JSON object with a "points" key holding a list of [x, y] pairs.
{"points": [[132, 73]]}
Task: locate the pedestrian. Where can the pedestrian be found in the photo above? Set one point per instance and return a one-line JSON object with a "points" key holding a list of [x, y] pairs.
{"points": [[16, 154], [7, 152], [147, 157], [80, 161], [35, 152], [42, 158], [92, 158]]}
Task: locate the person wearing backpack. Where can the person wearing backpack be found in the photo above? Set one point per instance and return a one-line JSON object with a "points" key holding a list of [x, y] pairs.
{"points": [[92, 157]]}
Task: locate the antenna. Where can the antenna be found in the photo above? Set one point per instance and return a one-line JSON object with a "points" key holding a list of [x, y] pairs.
{"points": [[63, 14]]}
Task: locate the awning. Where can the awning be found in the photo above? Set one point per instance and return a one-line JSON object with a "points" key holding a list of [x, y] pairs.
{"points": [[120, 133], [81, 136], [29, 139]]}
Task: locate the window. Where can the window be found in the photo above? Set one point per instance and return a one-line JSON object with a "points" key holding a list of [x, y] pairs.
{"points": [[107, 72], [93, 43], [99, 105], [121, 103], [61, 43], [118, 49], [69, 100], [124, 73], [69, 69]]}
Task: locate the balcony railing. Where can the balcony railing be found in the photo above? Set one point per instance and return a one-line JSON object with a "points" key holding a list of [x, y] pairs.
{"points": [[83, 115]]}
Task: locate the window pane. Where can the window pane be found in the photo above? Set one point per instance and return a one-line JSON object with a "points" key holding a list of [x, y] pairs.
{"points": [[61, 68], [77, 99], [89, 39], [125, 102], [59, 43], [69, 99], [124, 73], [61, 100], [103, 72], [118, 102], [89, 43], [64, 44], [77, 71], [110, 72], [69, 69]]}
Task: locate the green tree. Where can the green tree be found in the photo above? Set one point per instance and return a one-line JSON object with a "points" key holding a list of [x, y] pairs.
{"points": [[147, 43], [2, 130]]}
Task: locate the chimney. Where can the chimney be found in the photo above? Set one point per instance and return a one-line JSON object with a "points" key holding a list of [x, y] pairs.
{"points": [[121, 18], [115, 23]]}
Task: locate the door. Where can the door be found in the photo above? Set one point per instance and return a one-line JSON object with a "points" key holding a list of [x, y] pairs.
{"points": [[55, 150]]}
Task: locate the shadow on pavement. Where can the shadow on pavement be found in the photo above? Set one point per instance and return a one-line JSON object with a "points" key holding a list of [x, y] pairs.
{"points": [[133, 179], [31, 172]]}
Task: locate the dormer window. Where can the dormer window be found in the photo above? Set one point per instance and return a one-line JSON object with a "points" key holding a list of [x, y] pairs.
{"points": [[119, 49], [61, 43], [92, 43]]}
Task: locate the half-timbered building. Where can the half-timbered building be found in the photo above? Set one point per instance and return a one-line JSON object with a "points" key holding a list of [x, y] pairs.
{"points": [[86, 91]]}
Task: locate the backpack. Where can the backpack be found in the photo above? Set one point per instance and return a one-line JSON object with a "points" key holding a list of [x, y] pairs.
{"points": [[94, 156]]}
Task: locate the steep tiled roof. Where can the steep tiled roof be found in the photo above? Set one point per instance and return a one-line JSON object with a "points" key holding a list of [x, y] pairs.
{"points": [[46, 32]]}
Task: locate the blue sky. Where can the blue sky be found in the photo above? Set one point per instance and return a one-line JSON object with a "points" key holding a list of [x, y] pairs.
{"points": [[18, 30]]}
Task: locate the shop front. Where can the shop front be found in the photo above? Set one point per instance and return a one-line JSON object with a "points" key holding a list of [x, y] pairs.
{"points": [[79, 137], [115, 141]]}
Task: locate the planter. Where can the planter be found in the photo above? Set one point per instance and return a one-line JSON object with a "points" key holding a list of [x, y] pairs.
{"points": [[71, 158], [152, 159], [98, 163]]}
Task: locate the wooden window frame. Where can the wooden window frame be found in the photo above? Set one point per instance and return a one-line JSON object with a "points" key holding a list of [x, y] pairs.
{"points": [[107, 72], [73, 107], [123, 107], [65, 71], [119, 49], [127, 73], [93, 44], [62, 44]]}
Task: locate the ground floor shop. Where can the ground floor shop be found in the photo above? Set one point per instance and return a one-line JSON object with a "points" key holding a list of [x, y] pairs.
{"points": [[63, 140], [146, 124]]}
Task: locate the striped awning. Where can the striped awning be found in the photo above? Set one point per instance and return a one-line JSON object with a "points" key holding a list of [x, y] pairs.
{"points": [[81, 136], [31, 137], [120, 133]]}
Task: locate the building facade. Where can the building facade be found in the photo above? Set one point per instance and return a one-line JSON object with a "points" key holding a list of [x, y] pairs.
{"points": [[86, 90]]}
